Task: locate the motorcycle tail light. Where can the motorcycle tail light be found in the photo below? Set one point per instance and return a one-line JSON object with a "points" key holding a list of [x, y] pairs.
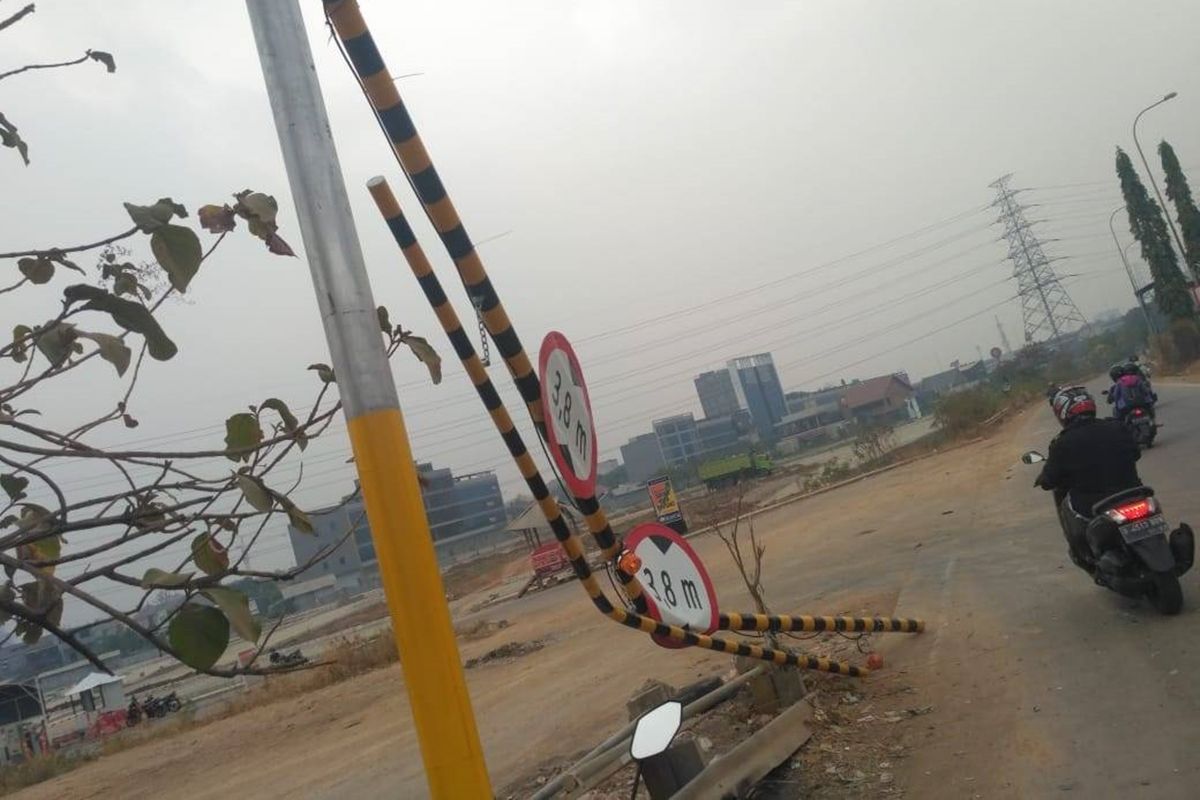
{"points": [[1131, 512], [1137, 412]]}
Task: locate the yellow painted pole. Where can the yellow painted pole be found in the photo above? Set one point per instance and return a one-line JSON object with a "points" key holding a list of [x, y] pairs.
{"points": [[437, 690]]}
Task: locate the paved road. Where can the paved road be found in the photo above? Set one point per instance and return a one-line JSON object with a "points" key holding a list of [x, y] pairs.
{"points": [[1079, 691]]}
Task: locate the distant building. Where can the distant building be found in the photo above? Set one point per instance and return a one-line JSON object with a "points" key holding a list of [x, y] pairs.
{"points": [[955, 379], [642, 458], [810, 410], [458, 509], [606, 466], [677, 439], [756, 384], [723, 436], [884, 400], [717, 396]]}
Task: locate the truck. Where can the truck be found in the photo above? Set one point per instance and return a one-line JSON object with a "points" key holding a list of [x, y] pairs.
{"points": [[728, 470]]}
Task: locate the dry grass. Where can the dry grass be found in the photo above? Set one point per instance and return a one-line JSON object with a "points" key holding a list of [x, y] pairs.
{"points": [[36, 770]]}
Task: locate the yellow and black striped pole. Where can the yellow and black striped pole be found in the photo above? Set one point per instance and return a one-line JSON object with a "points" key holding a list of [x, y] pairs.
{"points": [[771, 623], [433, 675], [390, 209], [368, 65]]}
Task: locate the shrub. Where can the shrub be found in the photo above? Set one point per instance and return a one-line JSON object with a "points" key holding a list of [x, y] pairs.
{"points": [[960, 413]]}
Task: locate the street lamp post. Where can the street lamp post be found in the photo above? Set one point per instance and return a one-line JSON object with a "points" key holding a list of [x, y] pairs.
{"points": [[1129, 270], [1154, 183]]}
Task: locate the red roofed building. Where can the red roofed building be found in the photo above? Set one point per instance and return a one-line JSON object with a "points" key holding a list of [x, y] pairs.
{"points": [[884, 400]]}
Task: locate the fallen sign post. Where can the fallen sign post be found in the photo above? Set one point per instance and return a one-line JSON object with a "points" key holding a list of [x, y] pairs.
{"points": [[678, 589]]}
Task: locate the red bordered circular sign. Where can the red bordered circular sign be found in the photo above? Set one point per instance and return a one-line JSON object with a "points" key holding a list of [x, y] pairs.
{"points": [[568, 415], [676, 584]]}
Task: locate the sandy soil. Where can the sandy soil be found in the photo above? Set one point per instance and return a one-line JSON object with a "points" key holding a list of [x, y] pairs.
{"points": [[955, 712]]}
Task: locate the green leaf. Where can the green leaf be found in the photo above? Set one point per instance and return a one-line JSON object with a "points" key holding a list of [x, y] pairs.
{"points": [[242, 435], [104, 58], [290, 424], [324, 372], [179, 252], [300, 520], [55, 342], [385, 323], [112, 350], [21, 336], [66, 262], [125, 283], [209, 554], [237, 610], [199, 634], [151, 218], [156, 578], [425, 353], [263, 207], [37, 270], [255, 492], [129, 315], [48, 548], [13, 485], [217, 219]]}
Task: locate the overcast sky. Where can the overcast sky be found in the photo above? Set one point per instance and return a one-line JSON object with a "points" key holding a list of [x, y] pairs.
{"points": [[677, 183]]}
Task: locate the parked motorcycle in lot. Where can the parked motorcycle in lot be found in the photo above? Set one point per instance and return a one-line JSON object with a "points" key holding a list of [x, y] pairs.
{"points": [[156, 707], [1133, 550], [292, 659]]}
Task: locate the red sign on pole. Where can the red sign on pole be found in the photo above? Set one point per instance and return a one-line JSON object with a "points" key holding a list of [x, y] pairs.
{"points": [[568, 415], [549, 559]]}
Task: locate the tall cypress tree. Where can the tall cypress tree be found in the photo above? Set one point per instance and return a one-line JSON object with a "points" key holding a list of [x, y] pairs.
{"points": [[1180, 195], [1149, 227]]}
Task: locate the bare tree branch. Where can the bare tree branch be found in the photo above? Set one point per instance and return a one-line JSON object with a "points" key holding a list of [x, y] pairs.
{"points": [[17, 17]]}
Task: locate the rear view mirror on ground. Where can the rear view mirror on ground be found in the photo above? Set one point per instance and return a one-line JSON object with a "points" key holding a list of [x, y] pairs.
{"points": [[1032, 457]]}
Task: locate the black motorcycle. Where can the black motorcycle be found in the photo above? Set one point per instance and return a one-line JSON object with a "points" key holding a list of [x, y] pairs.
{"points": [[292, 659], [1141, 420], [156, 707], [1139, 556]]}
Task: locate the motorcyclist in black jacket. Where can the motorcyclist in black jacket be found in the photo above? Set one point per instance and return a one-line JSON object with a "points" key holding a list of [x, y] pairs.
{"points": [[1090, 460]]}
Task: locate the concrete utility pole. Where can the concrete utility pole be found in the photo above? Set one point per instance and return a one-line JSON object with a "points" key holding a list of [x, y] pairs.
{"points": [[437, 691]]}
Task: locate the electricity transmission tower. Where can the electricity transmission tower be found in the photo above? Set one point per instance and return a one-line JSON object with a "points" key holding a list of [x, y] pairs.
{"points": [[1047, 308]]}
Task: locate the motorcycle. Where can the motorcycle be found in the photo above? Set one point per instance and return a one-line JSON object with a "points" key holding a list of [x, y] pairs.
{"points": [[1133, 551], [292, 659], [156, 707], [1141, 421]]}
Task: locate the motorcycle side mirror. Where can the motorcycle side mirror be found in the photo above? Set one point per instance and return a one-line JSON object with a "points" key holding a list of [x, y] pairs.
{"points": [[1032, 457], [655, 730]]}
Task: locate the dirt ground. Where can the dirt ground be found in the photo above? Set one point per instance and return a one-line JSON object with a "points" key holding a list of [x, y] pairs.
{"points": [[954, 713]]}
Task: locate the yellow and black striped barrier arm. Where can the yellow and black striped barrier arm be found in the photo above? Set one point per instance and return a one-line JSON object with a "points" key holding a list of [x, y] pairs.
{"points": [[389, 207], [377, 83], [414, 254], [769, 623]]}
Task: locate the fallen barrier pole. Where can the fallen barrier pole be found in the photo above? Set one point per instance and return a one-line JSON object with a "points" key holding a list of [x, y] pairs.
{"points": [[809, 624], [389, 207]]}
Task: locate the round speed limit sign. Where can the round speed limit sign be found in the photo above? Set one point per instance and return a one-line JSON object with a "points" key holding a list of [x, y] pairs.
{"points": [[676, 584], [568, 415]]}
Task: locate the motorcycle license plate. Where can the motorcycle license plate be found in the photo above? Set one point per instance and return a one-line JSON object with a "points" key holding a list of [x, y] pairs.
{"points": [[1143, 529]]}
